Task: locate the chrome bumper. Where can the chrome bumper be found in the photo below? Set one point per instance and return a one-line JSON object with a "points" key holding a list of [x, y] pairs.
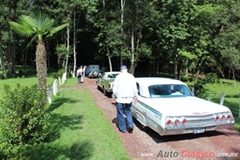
{"points": [[193, 130]]}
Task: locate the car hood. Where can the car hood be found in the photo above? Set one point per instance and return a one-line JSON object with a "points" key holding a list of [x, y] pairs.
{"points": [[185, 106]]}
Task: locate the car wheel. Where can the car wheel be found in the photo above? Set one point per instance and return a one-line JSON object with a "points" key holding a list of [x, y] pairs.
{"points": [[105, 92], [98, 87], [144, 128]]}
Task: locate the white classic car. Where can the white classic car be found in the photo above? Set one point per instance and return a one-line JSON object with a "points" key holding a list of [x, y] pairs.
{"points": [[168, 107], [105, 82]]}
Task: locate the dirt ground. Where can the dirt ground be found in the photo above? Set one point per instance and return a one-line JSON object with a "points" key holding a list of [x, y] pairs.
{"points": [[148, 145]]}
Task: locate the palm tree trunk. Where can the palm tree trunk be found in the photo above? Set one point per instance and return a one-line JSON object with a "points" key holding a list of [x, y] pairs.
{"points": [[41, 67]]}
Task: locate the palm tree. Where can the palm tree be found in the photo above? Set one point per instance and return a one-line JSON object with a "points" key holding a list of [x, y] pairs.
{"points": [[37, 25]]}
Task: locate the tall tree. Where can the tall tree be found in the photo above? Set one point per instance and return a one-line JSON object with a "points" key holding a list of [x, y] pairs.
{"points": [[227, 36], [108, 37], [38, 25], [136, 14]]}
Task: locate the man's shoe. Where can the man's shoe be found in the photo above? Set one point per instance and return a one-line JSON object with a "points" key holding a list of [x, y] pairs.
{"points": [[121, 131], [130, 130]]}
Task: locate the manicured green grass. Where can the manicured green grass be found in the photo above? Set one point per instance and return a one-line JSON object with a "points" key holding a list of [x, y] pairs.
{"points": [[83, 131], [28, 81], [232, 96], [71, 82]]}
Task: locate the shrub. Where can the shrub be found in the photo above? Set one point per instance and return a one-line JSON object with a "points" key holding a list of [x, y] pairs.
{"points": [[200, 91], [60, 72], [24, 120], [185, 78], [211, 78]]}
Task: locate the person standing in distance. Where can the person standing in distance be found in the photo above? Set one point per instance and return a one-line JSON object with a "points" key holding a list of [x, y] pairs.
{"points": [[124, 94], [79, 74], [83, 71]]}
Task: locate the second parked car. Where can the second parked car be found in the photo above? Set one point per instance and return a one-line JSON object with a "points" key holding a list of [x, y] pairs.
{"points": [[105, 82]]}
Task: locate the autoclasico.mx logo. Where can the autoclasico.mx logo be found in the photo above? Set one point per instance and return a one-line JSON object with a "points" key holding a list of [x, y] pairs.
{"points": [[186, 154]]}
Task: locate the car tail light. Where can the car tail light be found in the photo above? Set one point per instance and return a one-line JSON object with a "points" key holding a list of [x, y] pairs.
{"points": [[223, 117], [169, 121], [184, 121], [228, 116], [216, 118], [176, 121]]}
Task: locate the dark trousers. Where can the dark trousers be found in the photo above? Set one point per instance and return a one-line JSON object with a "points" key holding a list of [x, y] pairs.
{"points": [[121, 110], [79, 79]]}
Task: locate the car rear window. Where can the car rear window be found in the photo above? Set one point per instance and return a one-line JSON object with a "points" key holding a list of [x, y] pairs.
{"points": [[174, 90]]}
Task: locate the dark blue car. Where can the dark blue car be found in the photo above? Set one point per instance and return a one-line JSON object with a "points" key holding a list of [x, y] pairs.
{"points": [[93, 71]]}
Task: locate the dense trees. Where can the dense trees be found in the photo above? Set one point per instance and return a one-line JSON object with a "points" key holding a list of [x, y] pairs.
{"points": [[170, 36]]}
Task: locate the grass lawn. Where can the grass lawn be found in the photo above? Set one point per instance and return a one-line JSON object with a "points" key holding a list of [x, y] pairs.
{"points": [[232, 96], [82, 131]]}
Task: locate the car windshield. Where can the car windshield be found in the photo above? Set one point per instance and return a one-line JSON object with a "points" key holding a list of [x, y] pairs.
{"points": [[111, 76], [168, 91], [93, 66]]}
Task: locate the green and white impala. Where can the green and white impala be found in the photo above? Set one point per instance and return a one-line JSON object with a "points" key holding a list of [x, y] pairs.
{"points": [[105, 82]]}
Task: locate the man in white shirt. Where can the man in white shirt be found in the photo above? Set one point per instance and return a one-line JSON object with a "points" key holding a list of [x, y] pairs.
{"points": [[79, 74], [124, 93], [83, 71]]}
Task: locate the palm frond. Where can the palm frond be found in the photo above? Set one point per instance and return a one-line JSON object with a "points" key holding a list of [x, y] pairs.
{"points": [[21, 28], [34, 38], [36, 23], [41, 21], [56, 29]]}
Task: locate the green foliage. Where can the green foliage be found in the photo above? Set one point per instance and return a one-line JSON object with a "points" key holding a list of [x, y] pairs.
{"points": [[38, 24], [24, 121], [227, 35], [59, 73], [211, 78], [199, 89], [103, 69], [186, 78]]}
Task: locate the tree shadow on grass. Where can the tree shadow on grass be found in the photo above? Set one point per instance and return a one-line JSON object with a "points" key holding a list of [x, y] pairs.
{"points": [[72, 122], [77, 151], [59, 121], [60, 101]]}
